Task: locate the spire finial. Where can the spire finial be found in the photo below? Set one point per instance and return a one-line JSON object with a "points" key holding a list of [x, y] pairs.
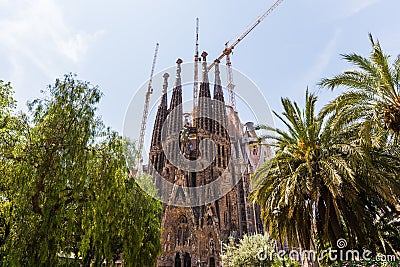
{"points": [[178, 68], [165, 86], [204, 67], [178, 73], [217, 72], [204, 55]]}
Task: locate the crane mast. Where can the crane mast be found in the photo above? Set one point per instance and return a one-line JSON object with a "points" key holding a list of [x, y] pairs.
{"points": [[196, 67], [229, 48], [146, 113], [231, 85]]}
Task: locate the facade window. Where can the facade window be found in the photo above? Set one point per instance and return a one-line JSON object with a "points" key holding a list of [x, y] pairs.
{"points": [[223, 157], [212, 245], [180, 236], [219, 156], [183, 231], [209, 220], [241, 194], [193, 174], [243, 214], [226, 218], [255, 151]]}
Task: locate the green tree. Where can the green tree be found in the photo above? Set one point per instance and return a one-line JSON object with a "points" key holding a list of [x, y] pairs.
{"points": [[69, 189], [8, 137], [371, 99], [325, 185], [253, 251], [369, 110]]}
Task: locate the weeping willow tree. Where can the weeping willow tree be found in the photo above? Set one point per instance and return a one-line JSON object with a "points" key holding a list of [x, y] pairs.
{"points": [[66, 194]]}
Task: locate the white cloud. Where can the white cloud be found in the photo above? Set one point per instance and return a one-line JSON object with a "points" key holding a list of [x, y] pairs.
{"points": [[35, 32], [76, 47], [4, 2], [355, 6], [324, 58]]}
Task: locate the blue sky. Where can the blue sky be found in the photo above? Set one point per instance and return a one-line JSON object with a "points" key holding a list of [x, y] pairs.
{"points": [[111, 43]]}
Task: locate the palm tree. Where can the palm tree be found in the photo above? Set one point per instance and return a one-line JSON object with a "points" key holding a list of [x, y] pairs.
{"points": [[371, 98], [325, 185]]}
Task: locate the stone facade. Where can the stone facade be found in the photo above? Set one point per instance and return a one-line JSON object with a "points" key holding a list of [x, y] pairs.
{"points": [[193, 235]]}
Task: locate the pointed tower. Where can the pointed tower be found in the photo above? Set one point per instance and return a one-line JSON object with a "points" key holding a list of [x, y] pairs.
{"points": [[194, 236], [174, 125], [176, 99], [156, 155], [220, 121], [203, 120], [218, 93]]}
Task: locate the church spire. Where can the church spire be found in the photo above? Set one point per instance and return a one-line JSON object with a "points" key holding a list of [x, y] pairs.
{"points": [[204, 108], [175, 116], [162, 113], [176, 99], [218, 93], [219, 111], [156, 155]]}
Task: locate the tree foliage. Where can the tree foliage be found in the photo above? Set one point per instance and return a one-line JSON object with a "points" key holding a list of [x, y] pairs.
{"points": [[8, 136], [250, 251], [371, 99], [254, 251], [326, 185], [66, 192]]}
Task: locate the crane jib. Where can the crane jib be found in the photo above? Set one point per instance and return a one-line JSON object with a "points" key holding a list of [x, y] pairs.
{"points": [[243, 35]]}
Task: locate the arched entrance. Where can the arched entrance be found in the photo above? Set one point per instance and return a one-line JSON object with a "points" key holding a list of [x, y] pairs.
{"points": [[212, 262], [178, 260], [187, 262]]}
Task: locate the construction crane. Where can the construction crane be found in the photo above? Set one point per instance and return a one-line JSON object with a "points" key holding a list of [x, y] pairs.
{"points": [[231, 85], [196, 67], [229, 48], [145, 114], [196, 74]]}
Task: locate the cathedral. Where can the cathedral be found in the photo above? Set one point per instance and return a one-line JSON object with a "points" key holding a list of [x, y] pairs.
{"points": [[201, 163]]}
